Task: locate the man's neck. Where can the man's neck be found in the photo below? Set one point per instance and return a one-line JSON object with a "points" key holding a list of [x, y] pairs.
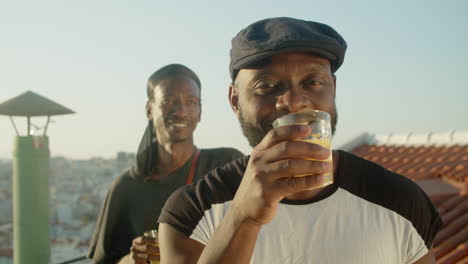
{"points": [[172, 156]]}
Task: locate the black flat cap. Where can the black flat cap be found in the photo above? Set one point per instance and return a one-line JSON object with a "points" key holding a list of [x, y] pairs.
{"points": [[271, 36]]}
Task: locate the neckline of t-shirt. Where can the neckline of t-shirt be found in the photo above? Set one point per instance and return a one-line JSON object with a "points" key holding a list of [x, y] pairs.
{"points": [[323, 194], [326, 192], [172, 178]]}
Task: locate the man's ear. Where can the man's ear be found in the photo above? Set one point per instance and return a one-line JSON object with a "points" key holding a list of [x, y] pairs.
{"points": [[334, 86], [149, 110], [234, 97], [199, 114]]}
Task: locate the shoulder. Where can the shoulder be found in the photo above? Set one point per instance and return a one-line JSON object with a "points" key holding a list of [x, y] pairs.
{"points": [[187, 205], [215, 157], [370, 180], [124, 180], [222, 180], [222, 153], [389, 190]]}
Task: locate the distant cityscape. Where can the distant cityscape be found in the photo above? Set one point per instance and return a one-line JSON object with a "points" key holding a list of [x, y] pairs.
{"points": [[77, 188]]}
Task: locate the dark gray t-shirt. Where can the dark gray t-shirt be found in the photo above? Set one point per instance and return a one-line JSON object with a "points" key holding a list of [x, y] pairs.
{"points": [[133, 204]]}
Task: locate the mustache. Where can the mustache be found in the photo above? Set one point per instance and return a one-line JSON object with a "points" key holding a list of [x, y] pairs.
{"points": [[179, 120], [267, 124]]}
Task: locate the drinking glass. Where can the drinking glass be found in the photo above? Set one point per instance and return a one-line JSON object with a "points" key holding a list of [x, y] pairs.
{"points": [[153, 233], [321, 133]]}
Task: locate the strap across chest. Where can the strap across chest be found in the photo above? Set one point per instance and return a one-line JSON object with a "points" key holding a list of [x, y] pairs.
{"points": [[193, 167]]}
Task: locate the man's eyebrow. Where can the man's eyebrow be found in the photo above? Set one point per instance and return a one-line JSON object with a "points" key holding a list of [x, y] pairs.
{"points": [[262, 73], [317, 67], [258, 75]]}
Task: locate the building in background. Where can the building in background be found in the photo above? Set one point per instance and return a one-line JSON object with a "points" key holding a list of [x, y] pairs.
{"points": [[77, 188], [438, 163]]}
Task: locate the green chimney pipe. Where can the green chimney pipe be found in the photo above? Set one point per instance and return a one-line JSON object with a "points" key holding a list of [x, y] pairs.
{"points": [[31, 200]]}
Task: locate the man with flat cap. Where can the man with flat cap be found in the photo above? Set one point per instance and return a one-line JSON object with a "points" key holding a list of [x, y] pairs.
{"points": [[254, 209], [167, 159]]}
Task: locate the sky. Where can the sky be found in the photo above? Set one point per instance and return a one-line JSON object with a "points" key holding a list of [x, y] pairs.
{"points": [[406, 67]]}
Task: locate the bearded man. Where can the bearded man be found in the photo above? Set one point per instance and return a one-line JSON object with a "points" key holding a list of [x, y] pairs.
{"points": [[255, 209]]}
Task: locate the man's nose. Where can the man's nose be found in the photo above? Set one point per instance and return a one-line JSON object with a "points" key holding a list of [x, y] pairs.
{"points": [[180, 109], [293, 100]]}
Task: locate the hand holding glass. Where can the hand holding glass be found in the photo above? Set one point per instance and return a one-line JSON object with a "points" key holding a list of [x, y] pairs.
{"points": [[321, 133], [154, 234]]}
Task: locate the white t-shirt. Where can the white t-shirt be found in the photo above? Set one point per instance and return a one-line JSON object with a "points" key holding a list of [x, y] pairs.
{"points": [[368, 216]]}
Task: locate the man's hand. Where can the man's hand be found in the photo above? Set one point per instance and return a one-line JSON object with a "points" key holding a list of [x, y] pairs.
{"points": [[143, 250], [269, 176]]}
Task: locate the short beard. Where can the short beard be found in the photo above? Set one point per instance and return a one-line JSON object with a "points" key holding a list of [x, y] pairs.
{"points": [[255, 134]]}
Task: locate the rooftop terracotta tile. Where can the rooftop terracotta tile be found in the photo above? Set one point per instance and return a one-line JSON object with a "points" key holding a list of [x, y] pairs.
{"points": [[442, 172], [419, 162], [436, 187], [452, 203], [456, 212], [451, 229], [451, 244], [456, 256]]}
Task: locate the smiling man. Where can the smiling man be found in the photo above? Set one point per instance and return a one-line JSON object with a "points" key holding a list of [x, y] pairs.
{"points": [[254, 209], [166, 160]]}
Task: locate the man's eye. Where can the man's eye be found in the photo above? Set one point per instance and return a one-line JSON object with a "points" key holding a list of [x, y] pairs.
{"points": [[313, 82], [168, 101], [266, 88], [194, 102], [313, 85]]}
